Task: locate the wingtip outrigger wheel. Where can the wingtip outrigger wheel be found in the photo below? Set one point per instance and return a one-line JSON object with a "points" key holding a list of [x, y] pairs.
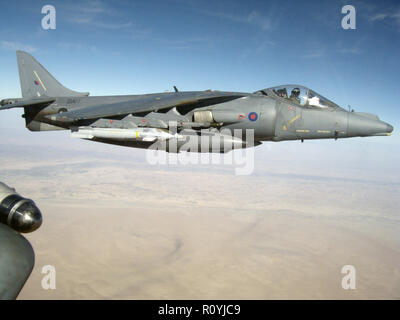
{"points": [[19, 213]]}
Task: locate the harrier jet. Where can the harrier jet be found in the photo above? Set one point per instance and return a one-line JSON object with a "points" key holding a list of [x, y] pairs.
{"points": [[199, 121]]}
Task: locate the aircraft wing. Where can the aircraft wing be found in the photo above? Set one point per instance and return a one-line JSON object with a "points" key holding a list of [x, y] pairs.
{"points": [[148, 103], [17, 259]]}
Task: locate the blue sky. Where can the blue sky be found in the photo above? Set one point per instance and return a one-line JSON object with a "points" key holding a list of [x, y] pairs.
{"points": [[128, 47]]}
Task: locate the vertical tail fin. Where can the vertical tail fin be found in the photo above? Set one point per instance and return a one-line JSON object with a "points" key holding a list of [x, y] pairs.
{"points": [[36, 81]]}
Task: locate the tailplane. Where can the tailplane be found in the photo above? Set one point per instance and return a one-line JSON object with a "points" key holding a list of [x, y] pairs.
{"points": [[37, 82]]}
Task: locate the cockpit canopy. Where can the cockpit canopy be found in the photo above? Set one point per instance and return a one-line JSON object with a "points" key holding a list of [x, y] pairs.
{"points": [[300, 95]]}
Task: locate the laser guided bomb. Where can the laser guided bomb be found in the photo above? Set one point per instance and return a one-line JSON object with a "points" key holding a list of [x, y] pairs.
{"points": [[162, 139]]}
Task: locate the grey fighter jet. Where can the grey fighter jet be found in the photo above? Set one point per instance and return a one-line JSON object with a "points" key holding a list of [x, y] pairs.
{"points": [[199, 121]]}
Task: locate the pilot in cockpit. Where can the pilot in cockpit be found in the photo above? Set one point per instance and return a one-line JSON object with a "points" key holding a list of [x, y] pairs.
{"points": [[294, 96]]}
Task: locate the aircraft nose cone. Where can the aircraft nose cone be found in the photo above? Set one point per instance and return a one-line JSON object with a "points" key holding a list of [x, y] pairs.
{"points": [[363, 125]]}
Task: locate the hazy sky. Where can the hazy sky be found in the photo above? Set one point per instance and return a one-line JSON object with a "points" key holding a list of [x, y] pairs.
{"points": [[127, 47]]}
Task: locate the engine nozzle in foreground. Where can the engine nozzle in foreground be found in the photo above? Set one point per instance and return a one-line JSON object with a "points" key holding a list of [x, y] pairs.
{"points": [[19, 213]]}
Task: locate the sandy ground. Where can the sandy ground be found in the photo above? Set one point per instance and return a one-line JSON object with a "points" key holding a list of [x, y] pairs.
{"points": [[120, 228]]}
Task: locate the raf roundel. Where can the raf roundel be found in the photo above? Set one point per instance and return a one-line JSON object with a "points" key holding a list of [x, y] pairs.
{"points": [[253, 116]]}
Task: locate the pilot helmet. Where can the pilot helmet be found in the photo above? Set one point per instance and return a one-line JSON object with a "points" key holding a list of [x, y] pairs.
{"points": [[296, 92]]}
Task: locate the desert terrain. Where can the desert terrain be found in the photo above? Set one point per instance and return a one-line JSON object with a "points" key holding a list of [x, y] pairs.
{"points": [[117, 227]]}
